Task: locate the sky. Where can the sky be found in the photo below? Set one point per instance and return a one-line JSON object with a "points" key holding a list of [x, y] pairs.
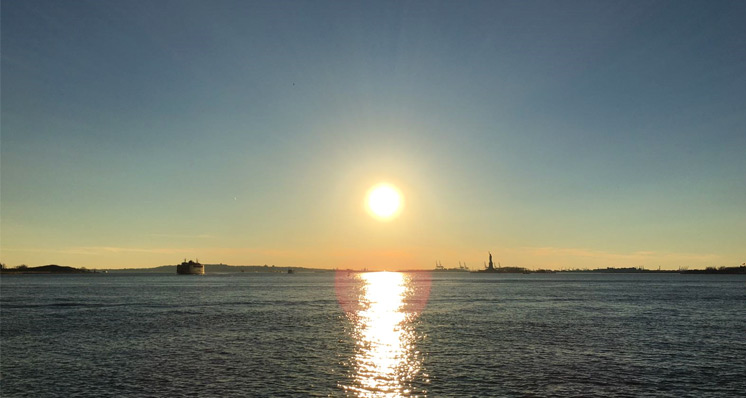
{"points": [[575, 134]]}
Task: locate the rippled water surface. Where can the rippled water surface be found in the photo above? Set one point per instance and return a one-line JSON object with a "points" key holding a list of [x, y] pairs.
{"points": [[370, 335]]}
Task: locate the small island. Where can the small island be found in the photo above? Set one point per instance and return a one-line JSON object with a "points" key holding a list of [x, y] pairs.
{"points": [[45, 269], [508, 270]]}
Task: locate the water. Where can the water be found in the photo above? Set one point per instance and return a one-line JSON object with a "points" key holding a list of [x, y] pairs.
{"points": [[367, 335]]}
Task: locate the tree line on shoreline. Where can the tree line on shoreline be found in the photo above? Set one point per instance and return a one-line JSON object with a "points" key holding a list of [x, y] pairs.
{"points": [[44, 269], [224, 268]]}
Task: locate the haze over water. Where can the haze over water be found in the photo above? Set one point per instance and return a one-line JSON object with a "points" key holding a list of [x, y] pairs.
{"points": [[373, 334]]}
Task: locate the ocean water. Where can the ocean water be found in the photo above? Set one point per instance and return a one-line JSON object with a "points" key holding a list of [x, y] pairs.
{"points": [[374, 334]]}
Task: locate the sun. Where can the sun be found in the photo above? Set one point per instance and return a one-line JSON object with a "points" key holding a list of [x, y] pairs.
{"points": [[384, 201]]}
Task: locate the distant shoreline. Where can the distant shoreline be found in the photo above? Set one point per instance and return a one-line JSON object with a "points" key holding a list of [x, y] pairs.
{"points": [[47, 269], [609, 270], [163, 269], [236, 269]]}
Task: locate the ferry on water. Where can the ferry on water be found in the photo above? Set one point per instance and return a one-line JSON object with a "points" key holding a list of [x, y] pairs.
{"points": [[190, 268]]}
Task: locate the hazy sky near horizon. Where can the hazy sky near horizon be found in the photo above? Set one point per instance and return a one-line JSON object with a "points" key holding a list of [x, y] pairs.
{"points": [[554, 134]]}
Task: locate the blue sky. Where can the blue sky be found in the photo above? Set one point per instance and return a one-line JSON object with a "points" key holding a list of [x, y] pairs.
{"points": [[557, 135]]}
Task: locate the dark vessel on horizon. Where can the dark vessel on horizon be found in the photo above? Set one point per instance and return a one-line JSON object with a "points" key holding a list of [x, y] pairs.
{"points": [[190, 268]]}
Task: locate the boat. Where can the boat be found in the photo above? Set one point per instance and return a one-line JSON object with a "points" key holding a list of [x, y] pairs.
{"points": [[190, 268]]}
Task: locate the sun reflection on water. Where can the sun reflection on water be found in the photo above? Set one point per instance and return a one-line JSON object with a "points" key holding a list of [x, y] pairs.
{"points": [[386, 360]]}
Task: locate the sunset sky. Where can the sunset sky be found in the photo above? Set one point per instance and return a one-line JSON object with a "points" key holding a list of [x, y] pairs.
{"points": [[553, 134]]}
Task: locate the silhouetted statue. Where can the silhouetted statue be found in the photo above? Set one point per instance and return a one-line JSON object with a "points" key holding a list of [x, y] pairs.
{"points": [[491, 266]]}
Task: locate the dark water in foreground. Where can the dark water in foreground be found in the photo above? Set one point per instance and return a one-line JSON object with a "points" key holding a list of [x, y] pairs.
{"points": [[279, 335]]}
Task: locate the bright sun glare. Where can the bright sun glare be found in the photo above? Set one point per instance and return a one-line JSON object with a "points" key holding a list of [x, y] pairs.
{"points": [[384, 201]]}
